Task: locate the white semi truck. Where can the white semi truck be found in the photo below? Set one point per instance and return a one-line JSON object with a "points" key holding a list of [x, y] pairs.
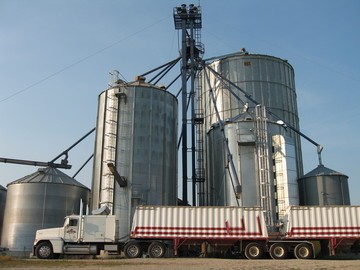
{"points": [[81, 234], [156, 230]]}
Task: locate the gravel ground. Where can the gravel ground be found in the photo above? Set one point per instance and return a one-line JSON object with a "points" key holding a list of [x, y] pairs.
{"points": [[180, 263]]}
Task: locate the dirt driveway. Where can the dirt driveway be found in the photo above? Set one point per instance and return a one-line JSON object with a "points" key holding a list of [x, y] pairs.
{"points": [[180, 263]]}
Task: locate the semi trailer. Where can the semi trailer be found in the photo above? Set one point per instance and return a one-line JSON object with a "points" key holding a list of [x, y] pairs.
{"points": [[305, 232]]}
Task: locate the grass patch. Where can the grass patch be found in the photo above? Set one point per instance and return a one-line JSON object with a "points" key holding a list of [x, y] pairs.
{"points": [[5, 258]]}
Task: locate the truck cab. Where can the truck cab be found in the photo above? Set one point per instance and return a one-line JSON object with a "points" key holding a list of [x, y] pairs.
{"points": [[71, 229], [81, 235]]}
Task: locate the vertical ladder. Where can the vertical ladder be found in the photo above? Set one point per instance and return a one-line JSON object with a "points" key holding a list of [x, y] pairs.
{"points": [[198, 121], [262, 148], [200, 164], [198, 45], [109, 149]]}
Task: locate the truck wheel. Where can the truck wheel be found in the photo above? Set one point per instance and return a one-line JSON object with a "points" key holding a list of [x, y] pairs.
{"points": [[253, 251], [133, 250], [156, 250], [303, 251], [278, 251], [44, 251]]}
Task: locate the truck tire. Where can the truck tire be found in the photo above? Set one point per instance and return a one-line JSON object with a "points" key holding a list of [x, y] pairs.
{"points": [[133, 250], [254, 251], [156, 250], [303, 251], [278, 251], [44, 251]]}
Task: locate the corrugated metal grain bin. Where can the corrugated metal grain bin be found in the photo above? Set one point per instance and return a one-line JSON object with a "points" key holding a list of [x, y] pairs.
{"points": [[324, 186], [322, 222], [267, 79], [38, 201], [169, 222], [136, 131], [248, 129]]}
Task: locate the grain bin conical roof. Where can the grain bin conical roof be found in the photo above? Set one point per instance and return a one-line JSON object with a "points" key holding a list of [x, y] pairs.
{"points": [[2, 188], [48, 175], [321, 170]]}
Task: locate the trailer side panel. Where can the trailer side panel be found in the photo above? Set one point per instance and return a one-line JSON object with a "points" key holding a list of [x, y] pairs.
{"points": [[321, 222], [170, 222]]}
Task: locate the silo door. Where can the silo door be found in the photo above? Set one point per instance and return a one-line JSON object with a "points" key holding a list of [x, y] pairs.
{"points": [[71, 230]]}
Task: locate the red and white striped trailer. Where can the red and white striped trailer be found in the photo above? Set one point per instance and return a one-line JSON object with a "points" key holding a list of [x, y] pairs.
{"points": [[304, 232], [226, 227], [334, 228]]}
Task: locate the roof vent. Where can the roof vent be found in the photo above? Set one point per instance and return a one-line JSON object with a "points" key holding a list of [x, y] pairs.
{"points": [[140, 79]]}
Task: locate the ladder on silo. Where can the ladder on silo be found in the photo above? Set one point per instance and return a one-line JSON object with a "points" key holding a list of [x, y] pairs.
{"points": [[200, 164], [262, 149], [109, 149]]}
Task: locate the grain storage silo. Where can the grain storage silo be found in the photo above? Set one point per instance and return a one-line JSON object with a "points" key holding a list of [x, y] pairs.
{"points": [[2, 207], [265, 165], [241, 142], [135, 158], [324, 186], [270, 82], [37, 201], [267, 79]]}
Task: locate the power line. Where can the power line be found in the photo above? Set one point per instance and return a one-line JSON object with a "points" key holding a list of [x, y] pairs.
{"points": [[83, 59]]}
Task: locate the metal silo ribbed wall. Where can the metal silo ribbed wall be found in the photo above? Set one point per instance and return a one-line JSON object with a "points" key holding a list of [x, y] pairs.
{"points": [[2, 207], [324, 186], [218, 174], [270, 81], [267, 79], [37, 205], [142, 145]]}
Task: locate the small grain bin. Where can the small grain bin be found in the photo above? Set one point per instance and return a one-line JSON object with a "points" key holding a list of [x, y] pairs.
{"points": [[324, 186], [37, 201]]}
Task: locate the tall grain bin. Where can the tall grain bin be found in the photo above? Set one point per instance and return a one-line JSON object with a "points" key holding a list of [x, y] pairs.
{"points": [[267, 79], [37, 201], [324, 186], [135, 158], [2, 207], [270, 81]]}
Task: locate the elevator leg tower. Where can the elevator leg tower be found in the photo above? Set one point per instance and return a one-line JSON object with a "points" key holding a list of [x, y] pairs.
{"points": [[187, 19]]}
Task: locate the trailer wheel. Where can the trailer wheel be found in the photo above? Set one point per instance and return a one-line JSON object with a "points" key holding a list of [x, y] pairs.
{"points": [[133, 250], [278, 251], [156, 250], [44, 250], [303, 251], [254, 251]]}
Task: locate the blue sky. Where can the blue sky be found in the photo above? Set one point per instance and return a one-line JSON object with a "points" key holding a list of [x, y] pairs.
{"points": [[55, 57]]}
